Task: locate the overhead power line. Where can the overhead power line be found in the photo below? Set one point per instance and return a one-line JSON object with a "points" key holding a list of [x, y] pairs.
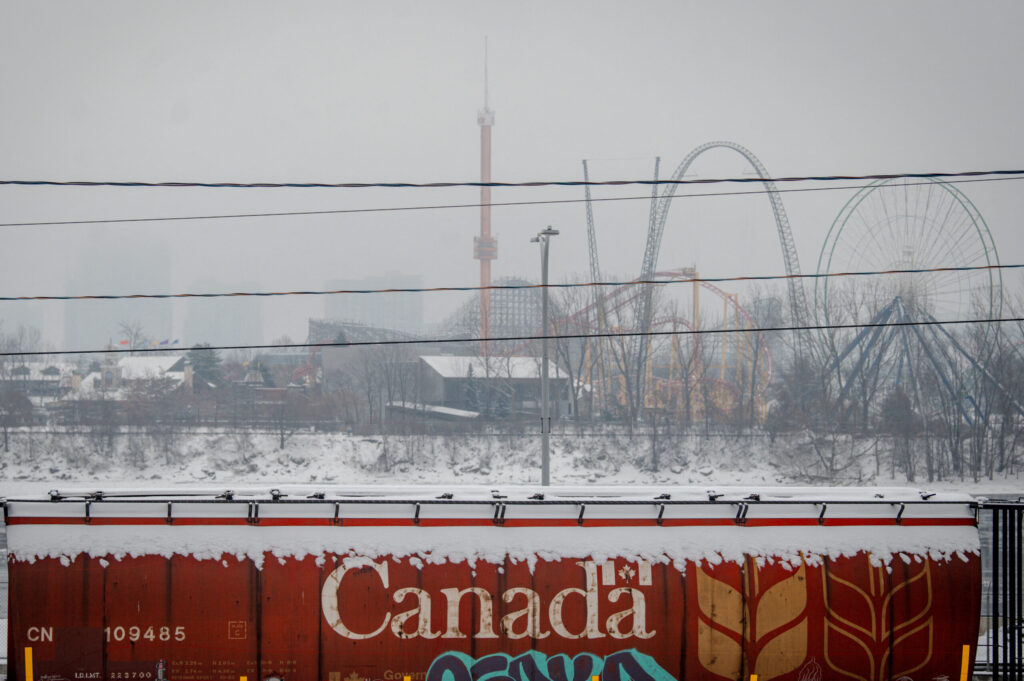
{"points": [[537, 183], [448, 206], [497, 339], [508, 287]]}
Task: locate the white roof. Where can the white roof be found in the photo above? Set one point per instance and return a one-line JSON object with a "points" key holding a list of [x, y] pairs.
{"points": [[449, 366], [435, 409], [33, 371], [92, 381], [149, 366], [92, 385]]}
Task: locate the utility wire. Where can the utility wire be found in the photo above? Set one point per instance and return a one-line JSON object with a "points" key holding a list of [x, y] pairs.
{"points": [[508, 287], [445, 206], [496, 339], [539, 183]]}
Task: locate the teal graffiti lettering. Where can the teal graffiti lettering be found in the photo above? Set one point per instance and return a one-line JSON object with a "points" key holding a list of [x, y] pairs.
{"points": [[451, 667], [624, 665]]}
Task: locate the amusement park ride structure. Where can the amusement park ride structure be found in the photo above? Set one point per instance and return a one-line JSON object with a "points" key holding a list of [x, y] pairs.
{"points": [[887, 225], [897, 224], [683, 373], [485, 247], [743, 367], [744, 363]]}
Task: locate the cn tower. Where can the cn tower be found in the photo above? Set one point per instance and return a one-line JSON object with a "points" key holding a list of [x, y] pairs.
{"points": [[485, 247]]}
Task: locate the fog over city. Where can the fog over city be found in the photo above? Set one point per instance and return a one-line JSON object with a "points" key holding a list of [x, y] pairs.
{"points": [[368, 92], [891, 376]]}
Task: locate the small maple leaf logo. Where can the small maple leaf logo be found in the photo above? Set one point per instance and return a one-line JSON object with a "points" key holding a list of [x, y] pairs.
{"points": [[353, 677], [810, 671], [626, 573]]}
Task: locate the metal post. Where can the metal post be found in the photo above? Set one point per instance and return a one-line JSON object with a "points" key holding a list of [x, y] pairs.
{"points": [[545, 407], [1019, 589], [1001, 670], [545, 413], [993, 627], [1012, 669]]}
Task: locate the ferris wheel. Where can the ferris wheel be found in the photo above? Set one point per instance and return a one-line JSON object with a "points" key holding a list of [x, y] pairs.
{"points": [[930, 231], [913, 224]]}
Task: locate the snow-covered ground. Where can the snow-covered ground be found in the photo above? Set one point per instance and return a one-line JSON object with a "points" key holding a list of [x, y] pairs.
{"points": [[41, 461]]}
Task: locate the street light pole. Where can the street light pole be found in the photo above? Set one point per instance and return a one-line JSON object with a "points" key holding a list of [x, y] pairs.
{"points": [[545, 408]]}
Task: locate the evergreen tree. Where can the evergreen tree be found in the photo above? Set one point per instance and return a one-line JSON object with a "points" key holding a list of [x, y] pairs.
{"points": [[472, 392], [205, 364]]}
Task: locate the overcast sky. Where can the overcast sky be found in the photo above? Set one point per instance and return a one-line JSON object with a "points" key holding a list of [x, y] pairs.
{"points": [[369, 91]]}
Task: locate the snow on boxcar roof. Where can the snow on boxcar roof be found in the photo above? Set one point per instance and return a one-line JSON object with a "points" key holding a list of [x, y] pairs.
{"points": [[574, 493], [669, 524]]}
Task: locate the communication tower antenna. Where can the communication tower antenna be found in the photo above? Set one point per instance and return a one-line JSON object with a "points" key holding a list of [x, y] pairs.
{"points": [[485, 247]]}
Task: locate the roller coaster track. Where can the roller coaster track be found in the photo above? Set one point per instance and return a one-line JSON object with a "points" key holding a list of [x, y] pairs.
{"points": [[659, 215], [595, 268], [656, 228], [595, 275]]}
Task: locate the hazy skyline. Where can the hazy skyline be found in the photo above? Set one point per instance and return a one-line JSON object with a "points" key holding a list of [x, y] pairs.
{"points": [[387, 92]]}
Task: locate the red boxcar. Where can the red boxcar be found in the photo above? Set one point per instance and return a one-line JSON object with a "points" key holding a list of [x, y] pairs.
{"points": [[810, 585]]}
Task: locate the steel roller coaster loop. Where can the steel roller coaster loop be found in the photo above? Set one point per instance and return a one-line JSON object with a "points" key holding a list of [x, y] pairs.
{"points": [[640, 346]]}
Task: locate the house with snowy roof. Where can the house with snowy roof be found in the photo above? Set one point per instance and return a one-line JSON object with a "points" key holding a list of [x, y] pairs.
{"points": [[497, 385], [118, 388], [40, 381], [113, 378]]}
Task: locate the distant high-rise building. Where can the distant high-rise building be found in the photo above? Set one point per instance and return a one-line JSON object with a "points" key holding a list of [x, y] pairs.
{"points": [[25, 314], [222, 321], [397, 311], [112, 266]]}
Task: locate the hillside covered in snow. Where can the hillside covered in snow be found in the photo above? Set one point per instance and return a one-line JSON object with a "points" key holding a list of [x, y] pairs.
{"points": [[36, 459]]}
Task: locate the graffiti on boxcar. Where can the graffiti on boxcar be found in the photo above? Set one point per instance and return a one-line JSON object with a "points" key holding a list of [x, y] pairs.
{"points": [[624, 665], [534, 619]]}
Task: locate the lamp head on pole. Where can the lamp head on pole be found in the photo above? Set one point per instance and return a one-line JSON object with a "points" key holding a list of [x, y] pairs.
{"points": [[544, 235]]}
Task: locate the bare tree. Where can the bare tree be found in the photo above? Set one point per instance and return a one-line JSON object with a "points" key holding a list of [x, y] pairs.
{"points": [[133, 332], [577, 357], [288, 411], [15, 410], [901, 423], [630, 356], [767, 311]]}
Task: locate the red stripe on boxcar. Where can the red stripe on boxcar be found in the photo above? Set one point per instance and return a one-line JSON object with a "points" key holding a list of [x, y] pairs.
{"points": [[486, 522]]}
